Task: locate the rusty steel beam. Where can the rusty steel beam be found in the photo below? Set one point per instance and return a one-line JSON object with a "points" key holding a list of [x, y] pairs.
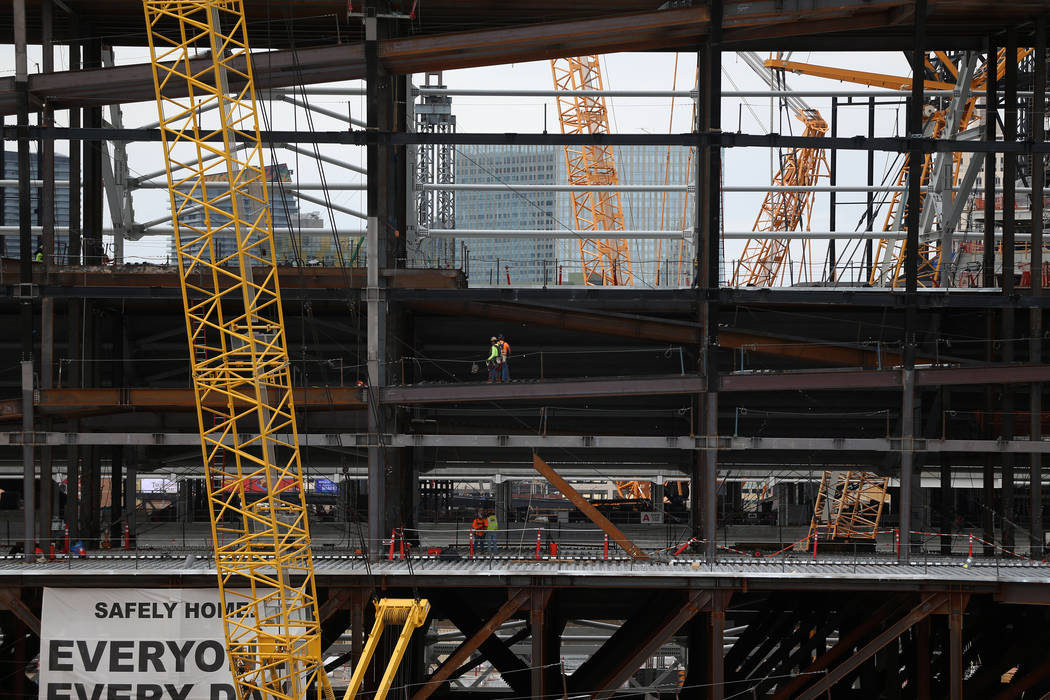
{"points": [[956, 606], [634, 642], [11, 598], [672, 29], [663, 330], [338, 599], [67, 402], [101, 401], [587, 509], [510, 666], [290, 277], [471, 644], [926, 607], [845, 644]]}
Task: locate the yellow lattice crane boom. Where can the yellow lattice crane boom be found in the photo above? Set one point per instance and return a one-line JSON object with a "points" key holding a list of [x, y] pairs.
{"points": [[605, 261], [239, 358]]}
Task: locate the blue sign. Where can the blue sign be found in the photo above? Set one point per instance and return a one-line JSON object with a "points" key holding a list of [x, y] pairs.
{"points": [[325, 486]]}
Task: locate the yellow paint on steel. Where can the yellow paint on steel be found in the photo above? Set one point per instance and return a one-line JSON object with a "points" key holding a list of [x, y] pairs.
{"points": [[605, 261], [237, 343]]}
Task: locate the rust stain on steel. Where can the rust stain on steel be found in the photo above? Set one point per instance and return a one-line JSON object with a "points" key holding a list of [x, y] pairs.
{"points": [[98, 401], [587, 509], [668, 331]]}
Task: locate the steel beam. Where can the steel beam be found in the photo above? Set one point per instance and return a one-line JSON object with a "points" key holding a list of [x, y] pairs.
{"points": [[587, 509], [956, 606], [1037, 533], [343, 441], [515, 672], [471, 644], [11, 598], [634, 643], [847, 640], [929, 605]]}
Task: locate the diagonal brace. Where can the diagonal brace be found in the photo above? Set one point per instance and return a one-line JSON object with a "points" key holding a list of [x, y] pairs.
{"points": [[470, 645], [929, 605], [587, 509]]}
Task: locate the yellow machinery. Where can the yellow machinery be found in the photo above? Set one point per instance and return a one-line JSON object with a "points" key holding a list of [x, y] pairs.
{"points": [[848, 506], [605, 261], [407, 612], [239, 357]]}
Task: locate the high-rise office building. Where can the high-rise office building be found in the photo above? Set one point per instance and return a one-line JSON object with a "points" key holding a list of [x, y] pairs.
{"points": [[531, 261], [289, 241], [528, 261], [9, 203]]}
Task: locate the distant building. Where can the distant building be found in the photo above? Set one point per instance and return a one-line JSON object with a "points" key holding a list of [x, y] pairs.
{"points": [[287, 221], [9, 203], [528, 261]]}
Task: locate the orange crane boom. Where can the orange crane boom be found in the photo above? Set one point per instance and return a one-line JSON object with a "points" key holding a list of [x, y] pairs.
{"points": [[762, 261], [605, 261], [942, 123]]}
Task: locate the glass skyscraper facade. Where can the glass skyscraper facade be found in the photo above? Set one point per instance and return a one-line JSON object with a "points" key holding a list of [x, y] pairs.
{"points": [[535, 261], [528, 261], [287, 221], [9, 203]]}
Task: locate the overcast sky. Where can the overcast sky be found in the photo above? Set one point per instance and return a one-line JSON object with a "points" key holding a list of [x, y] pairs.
{"points": [[629, 115]]}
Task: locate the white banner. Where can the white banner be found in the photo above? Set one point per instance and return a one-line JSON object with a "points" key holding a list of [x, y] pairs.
{"points": [[133, 644]]}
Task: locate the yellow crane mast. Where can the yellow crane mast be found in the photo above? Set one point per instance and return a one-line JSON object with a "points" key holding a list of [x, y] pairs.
{"points": [[239, 358], [605, 261]]}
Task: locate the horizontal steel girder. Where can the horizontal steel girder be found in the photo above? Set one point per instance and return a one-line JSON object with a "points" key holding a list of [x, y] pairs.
{"points": [[529, 442], [672, 29]]}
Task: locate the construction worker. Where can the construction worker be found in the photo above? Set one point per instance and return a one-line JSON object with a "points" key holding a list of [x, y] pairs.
{"points": [[491, 537], [493, 361], [479, 527], [38, 256], [504, 353]]}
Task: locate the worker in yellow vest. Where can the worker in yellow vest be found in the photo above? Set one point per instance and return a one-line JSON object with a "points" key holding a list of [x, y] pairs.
{"points": [[492, 525]]}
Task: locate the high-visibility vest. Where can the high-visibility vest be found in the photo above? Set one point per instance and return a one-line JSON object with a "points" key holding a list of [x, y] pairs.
{"points": [[493, 524], [504, 348]]}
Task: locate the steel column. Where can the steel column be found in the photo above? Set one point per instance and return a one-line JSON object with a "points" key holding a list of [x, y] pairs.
{"points": [[375, 297], [991, 105], [708, 250], [1035, 344], [1006, 417], [957, 604], [907, 457], [73, 249]]}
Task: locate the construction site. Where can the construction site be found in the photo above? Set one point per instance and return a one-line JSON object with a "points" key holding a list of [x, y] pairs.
{"points": [[523, 350]]}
